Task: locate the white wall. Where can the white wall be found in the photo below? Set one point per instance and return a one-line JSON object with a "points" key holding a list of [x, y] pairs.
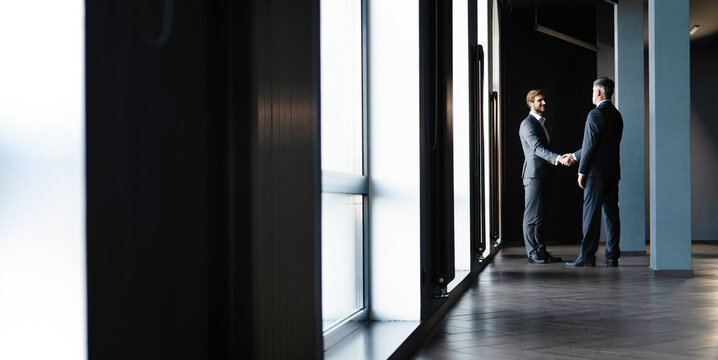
{"points": [[394, 160], [42, 201]]}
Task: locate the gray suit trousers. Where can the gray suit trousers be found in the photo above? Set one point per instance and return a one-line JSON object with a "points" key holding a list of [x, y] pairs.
{"points": [[536, 195]]}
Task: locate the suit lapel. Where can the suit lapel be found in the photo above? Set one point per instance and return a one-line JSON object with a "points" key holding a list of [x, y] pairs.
{"points": [[539, 129]]}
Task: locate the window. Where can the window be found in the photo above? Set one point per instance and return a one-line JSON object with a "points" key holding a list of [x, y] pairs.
{"points": [[344, 183], [43, 292], [342, 257], [461, 138]]}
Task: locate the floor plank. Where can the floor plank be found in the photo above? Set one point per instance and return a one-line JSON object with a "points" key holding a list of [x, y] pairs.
{"points": [[517, 310]]}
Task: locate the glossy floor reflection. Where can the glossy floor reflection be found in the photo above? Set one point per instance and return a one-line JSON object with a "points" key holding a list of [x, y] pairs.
{"points": [[518, 310]]}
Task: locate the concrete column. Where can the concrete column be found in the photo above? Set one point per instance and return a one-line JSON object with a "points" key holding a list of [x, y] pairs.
{"points": [[629, 99], [670, 142]]}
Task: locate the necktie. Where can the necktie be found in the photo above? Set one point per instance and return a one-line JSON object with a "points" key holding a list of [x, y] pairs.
{"points": [[545, 130]]}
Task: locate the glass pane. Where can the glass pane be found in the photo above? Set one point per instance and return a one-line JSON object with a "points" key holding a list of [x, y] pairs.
{"points": [[342, 257], [341, 86], [43, 150]]}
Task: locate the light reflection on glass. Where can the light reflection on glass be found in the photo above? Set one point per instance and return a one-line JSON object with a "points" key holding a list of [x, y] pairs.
{"points": [[342, 254], [341, 86]]}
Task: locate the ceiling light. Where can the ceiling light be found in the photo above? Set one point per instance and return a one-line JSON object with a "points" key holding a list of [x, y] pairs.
{"points": [[694, 28]]}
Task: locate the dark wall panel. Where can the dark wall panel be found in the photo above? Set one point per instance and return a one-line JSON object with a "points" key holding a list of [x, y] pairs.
{"points": [[704, 143], [203, 179], [531, 60], [285, 182], [147, 180], [436, 147]]}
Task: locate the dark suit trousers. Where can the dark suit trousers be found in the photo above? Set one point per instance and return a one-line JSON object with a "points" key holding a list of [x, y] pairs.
{"points": [[600, 193], [536, 195]]}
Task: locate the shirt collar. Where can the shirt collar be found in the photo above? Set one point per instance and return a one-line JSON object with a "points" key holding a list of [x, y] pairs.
{"points": [[603, 101], [537, 116]]}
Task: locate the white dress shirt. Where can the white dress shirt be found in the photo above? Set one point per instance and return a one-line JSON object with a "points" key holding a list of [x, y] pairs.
{"points": [[542, 121]]}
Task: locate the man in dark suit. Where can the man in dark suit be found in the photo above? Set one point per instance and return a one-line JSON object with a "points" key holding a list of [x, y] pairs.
{"points": [[537, 176], [598, 174]]}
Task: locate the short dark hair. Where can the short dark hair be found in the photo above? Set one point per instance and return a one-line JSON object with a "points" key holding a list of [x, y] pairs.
{"points": [[606, 86], [531, 95]]}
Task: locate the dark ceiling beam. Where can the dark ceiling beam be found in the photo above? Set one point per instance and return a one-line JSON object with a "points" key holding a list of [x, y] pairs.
{"points": [[565, 37]]}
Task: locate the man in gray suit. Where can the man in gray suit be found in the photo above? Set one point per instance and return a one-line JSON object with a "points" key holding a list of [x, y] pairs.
{"points": [[537, 174], [598, 174]]}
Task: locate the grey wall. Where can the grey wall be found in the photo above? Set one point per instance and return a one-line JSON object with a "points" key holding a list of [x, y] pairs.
{"points": [[605, 58], [704, 144]]}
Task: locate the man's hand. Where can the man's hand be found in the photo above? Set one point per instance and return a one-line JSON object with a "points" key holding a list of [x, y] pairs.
{"points": [[581, 182], [566, 159]]}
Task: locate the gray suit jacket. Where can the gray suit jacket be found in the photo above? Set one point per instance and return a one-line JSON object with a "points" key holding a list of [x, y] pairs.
{"points": [[538, 159], [599, 155]]}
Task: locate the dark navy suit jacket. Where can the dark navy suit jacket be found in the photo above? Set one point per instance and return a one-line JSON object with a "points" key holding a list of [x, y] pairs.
{"points": [[599, 155], [538, 159]]}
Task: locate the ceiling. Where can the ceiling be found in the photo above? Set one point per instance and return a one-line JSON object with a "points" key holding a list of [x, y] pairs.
{"points": [[705, 14], [702, 12]]}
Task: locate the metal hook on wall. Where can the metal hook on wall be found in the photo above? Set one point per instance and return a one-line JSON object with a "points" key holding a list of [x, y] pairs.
{"points": [[167, 12]]}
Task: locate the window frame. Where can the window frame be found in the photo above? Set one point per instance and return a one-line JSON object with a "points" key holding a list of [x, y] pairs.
{"points": [[352, 184]]}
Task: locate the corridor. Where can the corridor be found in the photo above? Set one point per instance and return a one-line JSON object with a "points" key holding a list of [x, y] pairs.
{"points": [[517, 310]]}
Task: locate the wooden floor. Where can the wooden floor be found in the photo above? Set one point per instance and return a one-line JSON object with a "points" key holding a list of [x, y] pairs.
{"points": [[518, 310]]}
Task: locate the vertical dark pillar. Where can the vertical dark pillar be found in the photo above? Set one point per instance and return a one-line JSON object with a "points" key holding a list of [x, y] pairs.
{"points": [[285, 178], [437, 191], [476, 138], [148, 180], [266, 76], [203, 180]]}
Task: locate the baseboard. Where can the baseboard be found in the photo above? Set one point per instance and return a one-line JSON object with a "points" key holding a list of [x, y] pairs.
{"points": [[663, 274], [412, 343], [634, 253]]}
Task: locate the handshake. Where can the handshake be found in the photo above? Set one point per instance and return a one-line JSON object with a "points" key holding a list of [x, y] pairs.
{"points": [[566, 159]]}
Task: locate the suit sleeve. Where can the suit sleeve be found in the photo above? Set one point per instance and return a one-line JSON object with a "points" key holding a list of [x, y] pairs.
{"points": [[528, 133], [589, 145]]}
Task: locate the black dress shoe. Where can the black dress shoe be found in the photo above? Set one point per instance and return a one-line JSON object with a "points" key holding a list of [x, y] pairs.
{"points": [[611, 263], [551, 259], [581, 263], [535, 258]]}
